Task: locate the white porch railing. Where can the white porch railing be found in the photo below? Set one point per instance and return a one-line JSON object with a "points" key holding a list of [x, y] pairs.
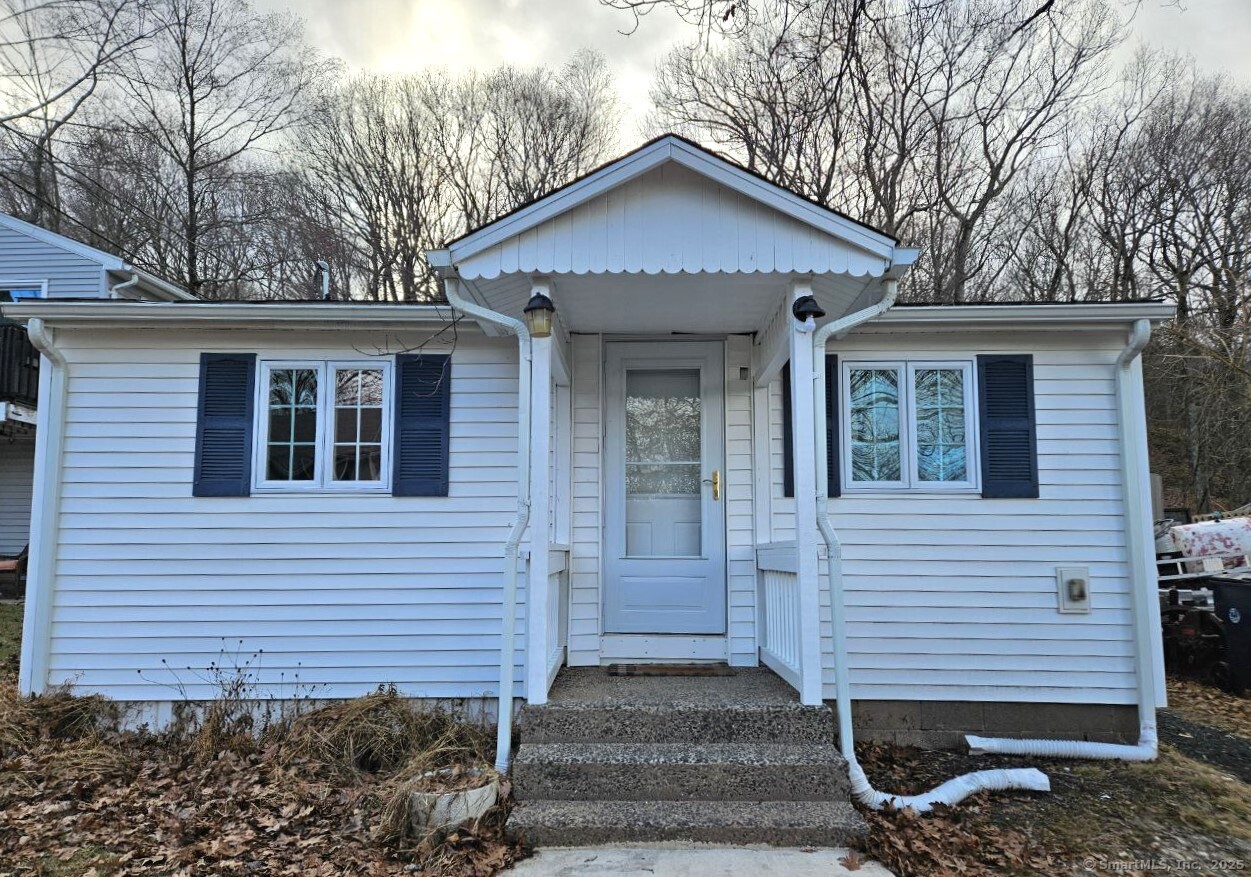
{"points": [[777, 566], [557, 611]]}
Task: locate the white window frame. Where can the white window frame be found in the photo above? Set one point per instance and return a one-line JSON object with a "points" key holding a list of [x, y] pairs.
{"points": [[910, 482], [7, 285], [324, 465]]}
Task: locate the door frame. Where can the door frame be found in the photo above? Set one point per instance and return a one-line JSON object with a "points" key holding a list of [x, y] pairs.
{"points": [[660, 647]]}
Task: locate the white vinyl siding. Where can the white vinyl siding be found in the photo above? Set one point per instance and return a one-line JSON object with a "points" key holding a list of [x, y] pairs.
{"points": [[67, 275], [17, 466], [953, 597], [338, 593]]}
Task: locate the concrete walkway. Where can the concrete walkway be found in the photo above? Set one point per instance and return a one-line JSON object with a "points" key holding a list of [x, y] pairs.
{"points": [[699, 862]]}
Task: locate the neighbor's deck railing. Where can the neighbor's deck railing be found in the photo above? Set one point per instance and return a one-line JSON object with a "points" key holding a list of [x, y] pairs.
{"points": [[777, 566], [19, 366]]}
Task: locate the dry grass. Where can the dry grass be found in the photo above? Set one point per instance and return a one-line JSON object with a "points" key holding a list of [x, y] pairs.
{"points": [[322, 794], [381, 733], [10, 635], [57, 715], [1172, 809]]}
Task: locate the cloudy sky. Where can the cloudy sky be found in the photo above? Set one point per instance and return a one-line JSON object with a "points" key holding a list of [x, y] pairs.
{"points": [[408, 35]]}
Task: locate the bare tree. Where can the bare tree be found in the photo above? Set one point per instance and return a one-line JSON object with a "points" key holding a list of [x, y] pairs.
{"points": [[918, 119], [507, 137], [218, 82], [373, 196], [54, 55], [395, 165]]}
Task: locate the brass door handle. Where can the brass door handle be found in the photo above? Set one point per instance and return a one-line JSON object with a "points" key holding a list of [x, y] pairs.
{"points": [[715, 481]]}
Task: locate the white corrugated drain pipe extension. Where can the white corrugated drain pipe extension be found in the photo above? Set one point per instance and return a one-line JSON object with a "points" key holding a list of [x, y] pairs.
{"points": [[508, 636], [1133, 456], [954, 790]]}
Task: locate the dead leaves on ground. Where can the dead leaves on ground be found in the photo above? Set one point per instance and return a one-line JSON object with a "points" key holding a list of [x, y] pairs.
{"points": [[108, 804], [1210, 706]]}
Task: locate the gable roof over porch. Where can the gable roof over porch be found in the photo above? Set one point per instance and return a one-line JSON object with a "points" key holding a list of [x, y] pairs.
{"points": [[672, 208]]}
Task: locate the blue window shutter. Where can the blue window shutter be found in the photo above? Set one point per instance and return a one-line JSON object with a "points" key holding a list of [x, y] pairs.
{"points": [[834, 474], [223, 441], [1005, 395], [834, 471], [423, 405], [788, 435]]}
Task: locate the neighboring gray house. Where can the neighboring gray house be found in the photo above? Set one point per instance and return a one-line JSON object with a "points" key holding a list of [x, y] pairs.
{"points": [[38, 264]]}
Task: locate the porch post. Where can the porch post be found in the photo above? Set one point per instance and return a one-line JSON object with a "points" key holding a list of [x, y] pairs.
{"points": [[537, 590], [802, 413]]}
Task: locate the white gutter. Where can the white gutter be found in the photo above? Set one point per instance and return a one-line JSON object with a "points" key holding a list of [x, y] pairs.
{"points": [[955, 790], [504, 722], [1131, 417], [121, 290], [149, 313], [45, 510]]}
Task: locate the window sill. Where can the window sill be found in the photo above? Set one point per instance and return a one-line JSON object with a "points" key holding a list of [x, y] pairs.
{"points": [[321, 491], [911, 491]]}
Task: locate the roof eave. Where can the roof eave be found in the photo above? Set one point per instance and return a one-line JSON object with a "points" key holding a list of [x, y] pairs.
{"points": [[204, 314], [1083, 314], [632, 165]]}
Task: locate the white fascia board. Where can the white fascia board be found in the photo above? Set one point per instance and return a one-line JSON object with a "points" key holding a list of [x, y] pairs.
{"points": [[698, 160], [783, 201], [139, 313], [621, 171], [1027, 315]]}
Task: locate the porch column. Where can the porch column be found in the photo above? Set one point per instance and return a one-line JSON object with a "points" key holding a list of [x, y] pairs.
{"points": [[537, 590], [805, 468]]}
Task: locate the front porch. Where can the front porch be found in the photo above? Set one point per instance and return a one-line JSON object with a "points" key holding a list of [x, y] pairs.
{"points": [[663, 521], [765, 544]]}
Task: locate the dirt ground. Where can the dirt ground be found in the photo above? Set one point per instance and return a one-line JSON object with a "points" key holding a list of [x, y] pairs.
{"points": [[1188, 812]]}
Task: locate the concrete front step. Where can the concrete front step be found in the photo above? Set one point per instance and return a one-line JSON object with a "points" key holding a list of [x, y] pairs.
{"points": [[598, 722], [778, 823], [680, 772]]}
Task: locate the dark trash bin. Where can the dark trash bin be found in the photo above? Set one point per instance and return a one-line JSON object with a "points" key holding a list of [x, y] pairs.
{"points": [[1232, 596]]}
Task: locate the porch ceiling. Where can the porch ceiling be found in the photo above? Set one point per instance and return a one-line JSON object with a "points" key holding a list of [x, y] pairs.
{"points": [[704, 302]]}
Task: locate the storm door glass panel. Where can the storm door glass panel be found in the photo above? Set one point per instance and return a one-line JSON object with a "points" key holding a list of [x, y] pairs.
{"points": [[941, 445], [663, 425], [358, 424], [292, 444], [875, 448]]}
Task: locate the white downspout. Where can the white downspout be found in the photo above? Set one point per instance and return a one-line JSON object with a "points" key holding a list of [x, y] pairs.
{"points": [[121, 289], [955, 790], [508, 636], [1131, 416], [45, 509]]}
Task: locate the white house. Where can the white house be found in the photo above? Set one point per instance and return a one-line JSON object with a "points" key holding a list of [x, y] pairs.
{"points": [[38, 264], [942, 505]]}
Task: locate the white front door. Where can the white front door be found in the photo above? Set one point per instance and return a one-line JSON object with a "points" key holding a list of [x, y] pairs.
{"points": [[664, 488]]}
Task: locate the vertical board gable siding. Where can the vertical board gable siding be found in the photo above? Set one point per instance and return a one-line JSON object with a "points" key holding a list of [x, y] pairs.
{"points": [[667, 220], [68, 274], [953, 597], [334, 593]]}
